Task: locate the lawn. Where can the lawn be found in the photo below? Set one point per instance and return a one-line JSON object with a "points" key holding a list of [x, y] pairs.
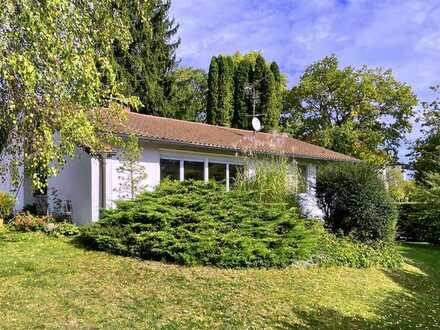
{"points": [[53, 283]]}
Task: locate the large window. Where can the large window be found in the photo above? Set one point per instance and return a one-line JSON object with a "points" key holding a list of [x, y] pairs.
{"points": [[194, 170], [217, 172], [169, 168]]}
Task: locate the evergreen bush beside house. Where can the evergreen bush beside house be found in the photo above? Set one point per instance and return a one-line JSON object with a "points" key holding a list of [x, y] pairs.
{"points": [[355, 202], [194, 223]]}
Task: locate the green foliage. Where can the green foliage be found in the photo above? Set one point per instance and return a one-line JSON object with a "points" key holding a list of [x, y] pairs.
{"points": [[360, 112], [212, 107], [194, 223], [426, 156], [146, 64], [225, 90], [422, 214], [241, 99], [132, 173], [7, 203], [398, 187], [229, 102], [63, 229], [187, 99], [355, 202], [426, 150], [275, 180], [56, 68], [334, 251]]}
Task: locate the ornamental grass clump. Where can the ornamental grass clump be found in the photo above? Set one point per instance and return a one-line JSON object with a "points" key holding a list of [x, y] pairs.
{"points": [[274, 179], [194, 223]]}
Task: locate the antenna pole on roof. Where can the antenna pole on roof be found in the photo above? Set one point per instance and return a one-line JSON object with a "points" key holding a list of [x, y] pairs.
{"points": [[251, 90]]}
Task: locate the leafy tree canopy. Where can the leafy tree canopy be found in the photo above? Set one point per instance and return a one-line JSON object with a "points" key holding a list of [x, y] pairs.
{"points": [[187, 99], [360, 112], [56, 67], [426, 150]]}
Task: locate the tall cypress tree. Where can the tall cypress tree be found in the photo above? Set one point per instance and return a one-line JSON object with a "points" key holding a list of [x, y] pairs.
{"points": [[276, 72], [147, 64], [225, 90], [212, 97], [241, 99], [267, 93], [277, 97], [228, 103]]}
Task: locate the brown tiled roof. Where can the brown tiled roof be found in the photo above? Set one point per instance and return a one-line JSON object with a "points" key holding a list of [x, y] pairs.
{"points": [[193, 134]]}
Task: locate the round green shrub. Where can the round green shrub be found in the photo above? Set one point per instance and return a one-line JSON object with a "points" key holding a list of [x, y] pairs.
{"points": [[194, 223], [355, 202]]}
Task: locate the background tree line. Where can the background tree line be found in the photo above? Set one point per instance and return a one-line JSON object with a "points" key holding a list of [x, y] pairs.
{"points": [[230, 94], [128, 58]]}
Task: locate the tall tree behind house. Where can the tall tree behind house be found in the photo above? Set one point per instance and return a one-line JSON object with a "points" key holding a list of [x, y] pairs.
{"points": [[146, 66]]}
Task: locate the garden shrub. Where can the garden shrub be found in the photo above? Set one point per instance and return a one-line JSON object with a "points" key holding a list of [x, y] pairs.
{"points": [[344, 251], [27, 222], [61, 229], [194, 223], [355, 202], [7, 203], [420, 217]]}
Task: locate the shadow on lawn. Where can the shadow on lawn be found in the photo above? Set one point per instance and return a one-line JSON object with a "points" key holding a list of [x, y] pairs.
{"points": [[418, 307]]}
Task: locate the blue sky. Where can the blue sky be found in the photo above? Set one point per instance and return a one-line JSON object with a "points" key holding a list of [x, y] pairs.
{"points": [[401, 35]]}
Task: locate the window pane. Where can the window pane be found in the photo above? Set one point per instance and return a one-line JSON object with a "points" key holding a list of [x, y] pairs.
{"points": [[194, 170], [170, 169], [234, 172], [217, 172]]}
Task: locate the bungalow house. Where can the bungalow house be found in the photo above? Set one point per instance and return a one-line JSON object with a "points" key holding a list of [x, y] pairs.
{"points": [[176, 149]]}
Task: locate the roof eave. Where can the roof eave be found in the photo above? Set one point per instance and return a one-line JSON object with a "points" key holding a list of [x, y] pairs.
{"points": [[231, 149]]}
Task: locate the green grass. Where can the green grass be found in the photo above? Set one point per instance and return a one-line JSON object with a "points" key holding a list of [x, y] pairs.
{"points": [[52, 283]]}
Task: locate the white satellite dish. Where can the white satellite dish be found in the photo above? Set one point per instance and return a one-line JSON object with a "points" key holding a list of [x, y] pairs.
{"points": [[256, 125]]}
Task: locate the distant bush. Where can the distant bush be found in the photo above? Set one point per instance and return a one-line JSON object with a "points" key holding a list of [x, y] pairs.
{"points": [[420, 216], [355, 202], [343, 251], [7, 203], [194, 223]]}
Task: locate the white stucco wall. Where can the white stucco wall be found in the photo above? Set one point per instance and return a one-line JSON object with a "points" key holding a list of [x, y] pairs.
{"points": [[74, 183], [150, 160]]}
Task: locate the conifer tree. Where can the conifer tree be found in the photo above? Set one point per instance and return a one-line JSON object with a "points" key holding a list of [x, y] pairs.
{"points": [[212, 97], [241, 99], [147, 64], [225, 90]]}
